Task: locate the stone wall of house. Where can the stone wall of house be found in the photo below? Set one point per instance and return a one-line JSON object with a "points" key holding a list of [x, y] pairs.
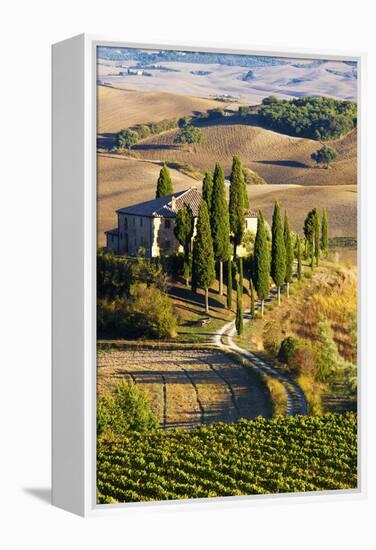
{"points": [[134, 232], [112, 242], [164, 241]]}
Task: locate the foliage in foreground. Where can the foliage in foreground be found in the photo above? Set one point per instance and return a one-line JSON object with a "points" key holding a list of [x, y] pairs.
{"points": [[147, 313], [284, 454], [128, 410]]}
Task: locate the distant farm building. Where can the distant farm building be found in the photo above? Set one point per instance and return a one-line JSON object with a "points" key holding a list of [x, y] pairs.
{"points": [[150, 225]]}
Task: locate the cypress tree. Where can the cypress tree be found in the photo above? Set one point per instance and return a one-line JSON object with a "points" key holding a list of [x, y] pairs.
{"points": [[239, 309], [236, 206], [317, 226], [229, 284], [203, 268], [278, 263], [241, 273], [289, 253], [309, 233], [261, 271], [183, 230], [252, 298], [220, 224], [245, 194], [324, 232], [164, 184], [299, 258], [207, 189]]}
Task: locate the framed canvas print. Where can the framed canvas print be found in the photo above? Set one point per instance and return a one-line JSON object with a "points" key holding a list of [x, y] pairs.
{"points": [[206, 274]]}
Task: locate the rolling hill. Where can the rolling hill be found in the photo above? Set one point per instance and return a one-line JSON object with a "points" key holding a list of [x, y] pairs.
{"points": [[278, 158], [119, 108], [282, 160]]}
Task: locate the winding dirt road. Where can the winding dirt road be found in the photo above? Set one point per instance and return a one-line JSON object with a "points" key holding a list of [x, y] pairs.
{"points": [[296, 401]]}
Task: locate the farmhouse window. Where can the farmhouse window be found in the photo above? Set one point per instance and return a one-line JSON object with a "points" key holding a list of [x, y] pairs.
{"points": [[141, 222], [167, 224], [125, 223]]}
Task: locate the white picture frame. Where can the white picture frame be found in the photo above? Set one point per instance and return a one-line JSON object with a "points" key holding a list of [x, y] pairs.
{"points": [[74, 279]]}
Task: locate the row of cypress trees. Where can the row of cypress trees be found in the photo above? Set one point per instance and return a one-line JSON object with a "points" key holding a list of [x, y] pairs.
{"points": [[217, 220], [278, 263]]}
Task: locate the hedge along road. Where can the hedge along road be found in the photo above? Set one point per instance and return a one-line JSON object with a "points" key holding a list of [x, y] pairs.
{"points": [[296, 401]]}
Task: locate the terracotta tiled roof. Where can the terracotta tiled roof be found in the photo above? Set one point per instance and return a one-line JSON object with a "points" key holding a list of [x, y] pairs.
{"points": [[166, 207]]}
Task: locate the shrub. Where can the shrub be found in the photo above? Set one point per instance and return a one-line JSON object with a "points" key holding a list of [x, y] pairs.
{"points": [[324, 156], [190, 135], [244, 110], [146, 313], [248, 240], [215, 113], [143, 130], [174, 264], [287, 348], [114, 276], [126, 138], [184, 121], [272, 337], [302, 360], [127, 410], [151, 313]]}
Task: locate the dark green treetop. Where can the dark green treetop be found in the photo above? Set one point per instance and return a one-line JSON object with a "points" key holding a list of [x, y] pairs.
{"points": [[289, 249], [278, 262], [207, 188], [236, 206], [219, 216], [229, 284], [239, 309], [261, 264], [164, 184], [183, 229], [324, 232], [203, 268]]}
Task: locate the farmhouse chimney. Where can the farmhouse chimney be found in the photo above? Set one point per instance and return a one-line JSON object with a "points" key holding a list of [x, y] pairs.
{"points": [[173, 204]]}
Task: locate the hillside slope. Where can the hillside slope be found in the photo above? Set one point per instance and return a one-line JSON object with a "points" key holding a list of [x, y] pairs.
{"points": [[339, 200], [278, 158], [118, 108]]}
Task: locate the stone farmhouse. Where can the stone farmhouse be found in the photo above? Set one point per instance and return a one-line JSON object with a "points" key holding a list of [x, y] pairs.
{"points": [[150, 225]]}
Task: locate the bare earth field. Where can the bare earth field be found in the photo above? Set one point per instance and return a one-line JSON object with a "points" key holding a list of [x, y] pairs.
{"points": [[340, 200], [117, 109], [187, 387], [276, 157]]}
